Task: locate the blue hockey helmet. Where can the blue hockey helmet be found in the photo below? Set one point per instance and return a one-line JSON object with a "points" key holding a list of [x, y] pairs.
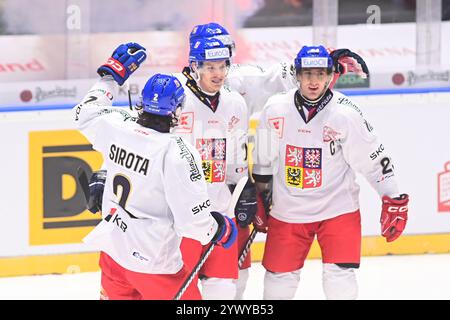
{"points": [[212, 30], [162, 95], [208, 49], [313, 57]]}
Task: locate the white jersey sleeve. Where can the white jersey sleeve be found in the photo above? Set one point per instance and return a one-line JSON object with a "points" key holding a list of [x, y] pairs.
{"points": [[97, 106], [237, 165], [364, 152], [257, 84], [187, 193]]}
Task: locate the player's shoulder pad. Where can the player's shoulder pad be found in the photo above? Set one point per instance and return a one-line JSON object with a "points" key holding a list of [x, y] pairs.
{"points": [[287, 69], [231, 95], [247, 68], [233, 99], [350, 112], [276, 102], [281, 97], [346, 105], [183, 154]]}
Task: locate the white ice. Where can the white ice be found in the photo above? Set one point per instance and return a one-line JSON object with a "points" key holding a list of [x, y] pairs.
{"points": [[407, 277]]}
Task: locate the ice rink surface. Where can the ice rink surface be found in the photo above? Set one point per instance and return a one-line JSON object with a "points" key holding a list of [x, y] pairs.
{"points": [[407, 277]]}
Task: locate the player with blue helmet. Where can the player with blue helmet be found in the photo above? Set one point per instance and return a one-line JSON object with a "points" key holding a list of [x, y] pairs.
{"points": [[153, 180], [209, 60], [215, 121], [256, 85], [313, 68], [212, 30], [310, 142], [163, 96]]}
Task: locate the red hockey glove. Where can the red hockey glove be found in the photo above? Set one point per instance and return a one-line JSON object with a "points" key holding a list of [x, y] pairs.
{"points": [[394, 215], [345, 61], [264, 202]]}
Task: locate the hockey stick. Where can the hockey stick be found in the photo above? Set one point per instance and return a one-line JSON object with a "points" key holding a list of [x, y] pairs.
{"points": [[230, 211], [82, 178], [246, 249]]}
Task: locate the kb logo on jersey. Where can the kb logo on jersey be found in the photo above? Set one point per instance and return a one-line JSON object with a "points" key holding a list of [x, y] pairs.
{"points": [[58, 212]]}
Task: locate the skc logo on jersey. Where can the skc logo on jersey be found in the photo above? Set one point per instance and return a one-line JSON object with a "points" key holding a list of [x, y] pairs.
{"points": [[213, 154], [303, 167]]}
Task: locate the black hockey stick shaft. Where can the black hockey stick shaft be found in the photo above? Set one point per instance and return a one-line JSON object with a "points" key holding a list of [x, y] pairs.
{"points": [[194, 272], [82, 178], [234, 199], [246, 249], [129, 100]]}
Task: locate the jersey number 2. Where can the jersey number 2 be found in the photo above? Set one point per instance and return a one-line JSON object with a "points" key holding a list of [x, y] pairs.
{"points": [[125, 184], [385, 164]]}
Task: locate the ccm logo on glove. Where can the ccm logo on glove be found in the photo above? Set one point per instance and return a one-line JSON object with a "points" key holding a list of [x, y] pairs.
{"points": [[394, 215], [116, 66], [398, 209]]}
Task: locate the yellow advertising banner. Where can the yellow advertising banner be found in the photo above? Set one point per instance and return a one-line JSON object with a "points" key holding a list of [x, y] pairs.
{"points": [[57, 204]]}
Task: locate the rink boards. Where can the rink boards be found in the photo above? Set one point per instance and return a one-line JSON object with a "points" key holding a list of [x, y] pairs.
{"points": [[44, 219]]}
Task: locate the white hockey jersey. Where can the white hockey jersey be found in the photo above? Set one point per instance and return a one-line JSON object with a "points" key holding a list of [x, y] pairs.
{"points": [[313, 162], [257, 85], [154, 192], [220, 137]]}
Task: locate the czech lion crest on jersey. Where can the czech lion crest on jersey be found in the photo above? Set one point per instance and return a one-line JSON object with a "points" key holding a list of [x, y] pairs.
{"points": [[303, 167], [213, 154]]}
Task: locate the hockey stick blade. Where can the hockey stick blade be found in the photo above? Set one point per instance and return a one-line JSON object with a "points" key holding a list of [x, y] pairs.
{"points": [[82, 178], [230, 211]]}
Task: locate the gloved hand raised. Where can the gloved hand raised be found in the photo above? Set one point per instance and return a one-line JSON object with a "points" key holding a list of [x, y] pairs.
{"points": [[345, 61], [96, 187], [123, 62], [226, 232], [394, 215]]}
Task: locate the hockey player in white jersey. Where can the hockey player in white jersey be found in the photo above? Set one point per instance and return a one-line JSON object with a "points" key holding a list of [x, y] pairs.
{"points": [[247, 207], [310, 141], [153, 188], [256, 85], [215, 121]]}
